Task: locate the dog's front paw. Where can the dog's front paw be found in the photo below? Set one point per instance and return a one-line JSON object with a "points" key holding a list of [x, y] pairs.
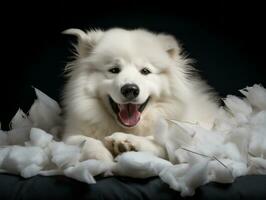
{"points": [[103, 155], [90, 148], [119, 143]]}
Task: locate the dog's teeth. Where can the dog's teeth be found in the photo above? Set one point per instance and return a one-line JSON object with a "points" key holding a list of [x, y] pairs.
{"points": [[122, 106]]}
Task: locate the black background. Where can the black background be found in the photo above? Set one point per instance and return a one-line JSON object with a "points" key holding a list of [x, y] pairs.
{"points": [[227, 40]]}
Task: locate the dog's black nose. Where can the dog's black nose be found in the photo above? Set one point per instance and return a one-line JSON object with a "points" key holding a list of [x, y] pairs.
{"points": [[130, 91]]}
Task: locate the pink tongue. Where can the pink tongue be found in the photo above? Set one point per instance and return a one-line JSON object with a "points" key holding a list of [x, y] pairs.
{"points": [[129, 114]]}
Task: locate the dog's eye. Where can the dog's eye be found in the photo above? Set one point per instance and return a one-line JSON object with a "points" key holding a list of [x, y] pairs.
{"points": [[114, 70], [145, 71]]}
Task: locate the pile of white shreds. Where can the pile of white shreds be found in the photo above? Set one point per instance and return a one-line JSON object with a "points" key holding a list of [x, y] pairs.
{"points": [[236, 146]]}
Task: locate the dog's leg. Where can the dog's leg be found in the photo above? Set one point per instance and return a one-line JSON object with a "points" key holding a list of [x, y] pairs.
{"points": [[91, 148], [119, 143]]}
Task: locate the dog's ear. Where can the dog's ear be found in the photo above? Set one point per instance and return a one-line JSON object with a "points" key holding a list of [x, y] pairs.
{"points": [[86, 40], [170, 44]]}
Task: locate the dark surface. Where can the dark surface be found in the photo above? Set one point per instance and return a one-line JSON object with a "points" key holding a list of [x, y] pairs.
{"points": [[59, 187], [226, 39]]}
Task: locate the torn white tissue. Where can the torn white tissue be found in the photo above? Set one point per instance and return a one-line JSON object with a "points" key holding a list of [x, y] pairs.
{"points": [[64, 155], [256, 96], [186, 178], [40, 138], [45, 112], [236, 146], [237, 105], [86, 170], [20, 126], [18, 136], [3, 138], [20, 120], [26, 161]]}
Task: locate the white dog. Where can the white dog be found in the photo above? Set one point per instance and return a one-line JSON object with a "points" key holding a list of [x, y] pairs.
{"points": [[120, 83]]}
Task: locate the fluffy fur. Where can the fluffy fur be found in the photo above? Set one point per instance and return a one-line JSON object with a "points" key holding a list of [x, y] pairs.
{"points": [[174, 91]]}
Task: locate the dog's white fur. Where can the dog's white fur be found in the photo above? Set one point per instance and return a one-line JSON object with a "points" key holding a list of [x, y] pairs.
{"points": [[175, 93]]}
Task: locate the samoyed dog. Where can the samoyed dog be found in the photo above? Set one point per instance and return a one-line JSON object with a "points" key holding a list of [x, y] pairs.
{"points": [[120, 83]]}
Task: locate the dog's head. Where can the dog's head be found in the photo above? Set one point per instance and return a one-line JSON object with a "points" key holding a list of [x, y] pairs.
{"points": [[126, 70]]}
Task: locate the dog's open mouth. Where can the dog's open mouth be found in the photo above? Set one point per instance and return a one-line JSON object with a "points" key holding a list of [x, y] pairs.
{"points": [[128, 114]]}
